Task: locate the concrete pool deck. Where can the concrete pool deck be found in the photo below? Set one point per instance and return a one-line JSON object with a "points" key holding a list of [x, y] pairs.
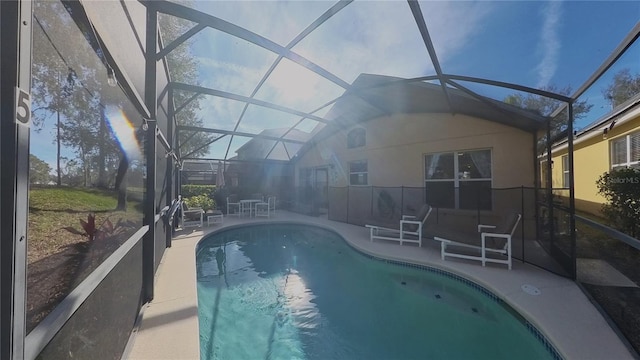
{"points": [[168, 328]]}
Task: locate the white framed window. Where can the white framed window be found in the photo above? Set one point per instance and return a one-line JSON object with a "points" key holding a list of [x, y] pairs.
{"points": [[358, 173], [565, 171], [459, 180], [625, 151], [356, 138]]}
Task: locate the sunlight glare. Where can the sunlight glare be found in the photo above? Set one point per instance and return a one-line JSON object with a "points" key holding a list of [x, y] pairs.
{"points": [[124, 132]]}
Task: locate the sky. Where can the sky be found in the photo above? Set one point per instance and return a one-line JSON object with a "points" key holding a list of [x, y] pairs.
{"points": [[531, 43]]}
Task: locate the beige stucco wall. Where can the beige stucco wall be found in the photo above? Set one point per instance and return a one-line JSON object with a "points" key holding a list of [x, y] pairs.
{"points": [[396, 145]]}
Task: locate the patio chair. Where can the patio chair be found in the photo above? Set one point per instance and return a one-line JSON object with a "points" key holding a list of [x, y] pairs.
{"points": [[248, 205], [266, 208], [410, 228], [494, 240], [190, 217], [233, 202]]}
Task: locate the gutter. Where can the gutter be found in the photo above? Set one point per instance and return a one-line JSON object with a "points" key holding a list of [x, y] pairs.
{"points": [[622, 116]]}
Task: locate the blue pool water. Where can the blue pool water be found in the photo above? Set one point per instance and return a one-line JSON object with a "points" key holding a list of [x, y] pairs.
{"points": [[298, 292]]}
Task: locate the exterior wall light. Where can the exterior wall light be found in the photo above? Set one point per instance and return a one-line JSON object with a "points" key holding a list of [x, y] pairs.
{"points": [[111, 77]]}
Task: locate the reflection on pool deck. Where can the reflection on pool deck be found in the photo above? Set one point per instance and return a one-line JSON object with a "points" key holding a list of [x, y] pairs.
{"points": [[169, 325]]}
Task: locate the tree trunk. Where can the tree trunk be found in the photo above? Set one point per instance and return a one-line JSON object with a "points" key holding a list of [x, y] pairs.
{"points": [[102, 177], [121, 183], [59, 182]]}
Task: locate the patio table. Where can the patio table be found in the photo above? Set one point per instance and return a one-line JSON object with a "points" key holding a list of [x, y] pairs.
{"points": [[249, 202]]}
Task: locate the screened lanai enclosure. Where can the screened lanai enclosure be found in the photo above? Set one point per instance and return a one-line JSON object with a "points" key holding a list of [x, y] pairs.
{"points": [[356, 111]]}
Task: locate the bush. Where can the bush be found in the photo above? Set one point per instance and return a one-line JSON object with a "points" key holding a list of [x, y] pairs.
{"points": [[195, 190], [200, 201], [220, 197], [621, 188]]}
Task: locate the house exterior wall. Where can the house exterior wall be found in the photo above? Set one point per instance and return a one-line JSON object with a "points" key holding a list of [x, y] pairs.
{"points": [[396, 145], [591, 159]]}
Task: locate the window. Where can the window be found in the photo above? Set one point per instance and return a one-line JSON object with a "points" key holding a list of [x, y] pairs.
{"points": [[358, 173], [356, 138], [625, 151], [459, 180], [565, 171]]}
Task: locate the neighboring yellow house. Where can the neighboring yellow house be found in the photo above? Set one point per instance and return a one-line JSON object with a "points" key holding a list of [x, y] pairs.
{"points": [[612, 142]]}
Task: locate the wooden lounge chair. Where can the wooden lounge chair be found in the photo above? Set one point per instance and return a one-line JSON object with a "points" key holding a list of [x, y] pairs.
{"points": [[494, 240], [410, 228]]}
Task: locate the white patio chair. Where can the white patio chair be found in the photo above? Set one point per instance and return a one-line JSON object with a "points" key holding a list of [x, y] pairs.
{"points": [[190, 216], [494, 240], [233, 203], [266, 208], [410, 228]]}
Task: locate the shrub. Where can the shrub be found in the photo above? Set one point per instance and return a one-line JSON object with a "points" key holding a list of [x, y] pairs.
{"points": [[195, 190], [220, 197], [621, 188], [200, 201]]}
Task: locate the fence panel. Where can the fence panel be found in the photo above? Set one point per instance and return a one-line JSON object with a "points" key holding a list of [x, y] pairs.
{"points": [[338, 204], [605, 261], [607, 268], [360, 201]]}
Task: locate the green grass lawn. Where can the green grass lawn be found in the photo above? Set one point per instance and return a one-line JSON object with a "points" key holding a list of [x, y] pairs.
{"points": [[53, 209], [58, 259]]}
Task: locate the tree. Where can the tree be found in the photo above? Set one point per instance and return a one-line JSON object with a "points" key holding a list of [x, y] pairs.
{"points": [[545, 106], [48, 73], [621, 188], [72, 174], [39, 171], [623, 87], [183, 67], [65, 87]]}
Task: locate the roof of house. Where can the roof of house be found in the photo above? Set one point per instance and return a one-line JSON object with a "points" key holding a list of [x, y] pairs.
{"points": [[267, 148], [627, 111], [377, 95]]}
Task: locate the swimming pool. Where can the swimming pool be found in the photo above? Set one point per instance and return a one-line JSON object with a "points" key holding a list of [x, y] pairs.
{"points": [[300, 292]]}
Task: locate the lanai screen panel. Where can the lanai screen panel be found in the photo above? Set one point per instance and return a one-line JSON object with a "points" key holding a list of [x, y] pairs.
{"points": [[531, 43], [300, 56], [228, 63], [375, 37], [602, 96]]}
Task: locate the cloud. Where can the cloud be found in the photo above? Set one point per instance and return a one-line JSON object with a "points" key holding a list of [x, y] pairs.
{"points": [[279, 21], [549, 44], [365, 37], [383, 38], [230, 76], [453, 25]]}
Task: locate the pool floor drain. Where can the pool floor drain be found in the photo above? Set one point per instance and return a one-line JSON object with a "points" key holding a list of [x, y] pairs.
{"points": [[531, 290]]}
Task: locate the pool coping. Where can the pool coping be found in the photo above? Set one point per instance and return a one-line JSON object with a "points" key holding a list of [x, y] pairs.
{"points": [[562, 313]]}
